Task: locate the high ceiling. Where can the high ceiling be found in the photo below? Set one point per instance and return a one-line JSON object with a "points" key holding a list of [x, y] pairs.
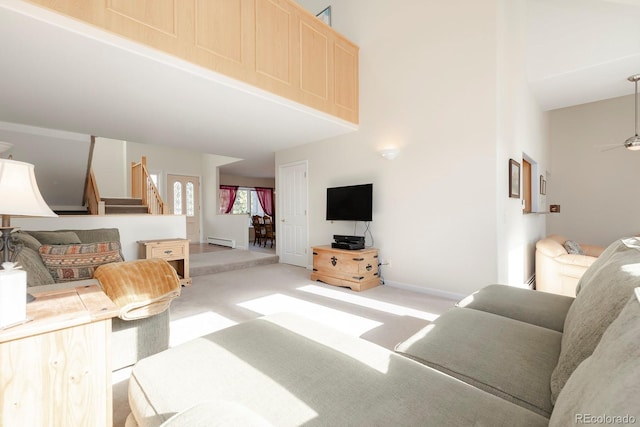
{"points": [[582, 51], [61, 74]]}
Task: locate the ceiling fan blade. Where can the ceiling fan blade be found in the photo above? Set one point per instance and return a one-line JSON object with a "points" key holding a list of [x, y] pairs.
{"points": [[613, 148]]}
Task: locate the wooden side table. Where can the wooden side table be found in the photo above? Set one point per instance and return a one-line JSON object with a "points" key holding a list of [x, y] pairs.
{"points": [[174, 251], [55, 370], [356, 269]]}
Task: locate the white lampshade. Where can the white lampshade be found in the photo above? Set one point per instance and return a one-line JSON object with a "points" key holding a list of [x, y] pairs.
{"points": [[19, 193]]}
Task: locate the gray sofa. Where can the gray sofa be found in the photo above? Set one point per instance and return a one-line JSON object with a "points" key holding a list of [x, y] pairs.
{"points": [[504, 356], [132, 340]]}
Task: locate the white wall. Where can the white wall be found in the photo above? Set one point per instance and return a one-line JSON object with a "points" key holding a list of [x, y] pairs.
{"points": [[110, 166], [131, 227], [246, 181], [522, 128], [435, 85], [51, 151], [595, 189], [164, 160]]}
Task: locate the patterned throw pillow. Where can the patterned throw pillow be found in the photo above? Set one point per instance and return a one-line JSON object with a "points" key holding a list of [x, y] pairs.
{"points": [[77, 262], [573, 248]]}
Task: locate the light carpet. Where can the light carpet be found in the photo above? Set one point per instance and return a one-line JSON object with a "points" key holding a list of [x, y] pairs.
{"points": [[383, 315], [233, 259]]}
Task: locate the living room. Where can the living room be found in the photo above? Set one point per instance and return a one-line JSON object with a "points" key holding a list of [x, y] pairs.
{"points": [[447, 86], [463, 183]]}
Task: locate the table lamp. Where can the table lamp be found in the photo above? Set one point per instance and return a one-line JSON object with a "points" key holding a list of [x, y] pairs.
{"points": [[19, 196]]}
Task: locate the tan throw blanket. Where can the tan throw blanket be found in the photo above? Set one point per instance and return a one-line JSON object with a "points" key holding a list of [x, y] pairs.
{"points": [[141, 288]]}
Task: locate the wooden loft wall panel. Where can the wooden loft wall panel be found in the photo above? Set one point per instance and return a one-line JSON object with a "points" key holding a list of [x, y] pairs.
{"points": [[160, 15], [219, 27], [346, 79], [275, 45], [219, 36], [314, 63]]}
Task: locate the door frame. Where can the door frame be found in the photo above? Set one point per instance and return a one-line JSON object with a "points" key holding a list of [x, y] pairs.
{"points": [[280, 205]]}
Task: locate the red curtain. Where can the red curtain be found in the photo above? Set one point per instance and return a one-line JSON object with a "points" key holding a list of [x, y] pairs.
{"points": [[228, 195], [265, 196]]}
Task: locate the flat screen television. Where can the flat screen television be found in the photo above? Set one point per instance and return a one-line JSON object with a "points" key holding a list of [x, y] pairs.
{"points": [[351, 203]]}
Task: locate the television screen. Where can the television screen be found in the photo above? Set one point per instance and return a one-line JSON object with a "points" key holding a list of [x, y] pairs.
{"points": [[352, 203]]}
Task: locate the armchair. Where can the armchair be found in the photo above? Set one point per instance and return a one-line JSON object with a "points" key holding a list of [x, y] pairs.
{"points": [[557, 271]]}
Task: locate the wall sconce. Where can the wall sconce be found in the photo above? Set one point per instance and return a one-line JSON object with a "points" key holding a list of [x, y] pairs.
{"points": [[389, 153]]}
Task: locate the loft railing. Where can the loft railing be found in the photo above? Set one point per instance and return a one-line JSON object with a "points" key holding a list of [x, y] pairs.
{"points": [[142, 187], [95, 205]]}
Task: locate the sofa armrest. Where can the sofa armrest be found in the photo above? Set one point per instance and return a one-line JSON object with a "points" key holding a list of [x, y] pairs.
{"points": [[592, 250], [551, 246], [577, 260]]}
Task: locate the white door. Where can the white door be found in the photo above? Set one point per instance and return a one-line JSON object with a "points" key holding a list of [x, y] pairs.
{"points": [[292, 228], [183, 193]]}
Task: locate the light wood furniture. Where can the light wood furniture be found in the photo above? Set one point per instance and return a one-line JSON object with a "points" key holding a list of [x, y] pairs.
{"points": [[55, 370], [357, 269], [275, 45], [174, 251]]}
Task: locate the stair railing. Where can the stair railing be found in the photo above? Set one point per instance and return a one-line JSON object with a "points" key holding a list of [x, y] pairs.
{"points": [[142, 187], [95, 205]]}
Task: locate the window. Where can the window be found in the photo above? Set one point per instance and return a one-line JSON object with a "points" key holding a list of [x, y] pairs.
{"points": [[177, 198], [247, 203]]}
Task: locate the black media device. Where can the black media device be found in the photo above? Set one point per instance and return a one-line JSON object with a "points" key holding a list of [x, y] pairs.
{"points": [[348, 242], [350, 203]]}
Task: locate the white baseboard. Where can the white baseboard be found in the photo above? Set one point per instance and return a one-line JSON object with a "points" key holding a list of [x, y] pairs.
{"points": [[421, 289]]}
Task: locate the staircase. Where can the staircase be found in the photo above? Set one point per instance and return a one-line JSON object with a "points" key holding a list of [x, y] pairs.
{"points": [[123, 205], [145, 198]]}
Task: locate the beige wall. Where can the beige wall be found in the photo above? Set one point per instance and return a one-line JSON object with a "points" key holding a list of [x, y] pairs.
{"points": [[110, 166], [245, 181], [441, 84], [596, 189]]}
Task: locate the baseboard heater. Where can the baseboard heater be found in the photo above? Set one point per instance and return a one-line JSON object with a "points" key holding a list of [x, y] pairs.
{"points": [[531, 283], [221, 241]]}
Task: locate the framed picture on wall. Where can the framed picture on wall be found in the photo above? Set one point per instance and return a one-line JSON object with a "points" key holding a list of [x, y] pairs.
{"points": [[514, 179], [543, 185], [325, 16]]}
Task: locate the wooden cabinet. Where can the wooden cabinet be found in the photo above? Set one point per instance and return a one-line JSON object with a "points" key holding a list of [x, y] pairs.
{"points": [[357, 270], [275, 45], [174, 251], [55, 370]]}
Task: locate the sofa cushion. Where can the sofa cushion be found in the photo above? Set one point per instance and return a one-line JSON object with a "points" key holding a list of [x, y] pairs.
{"points": [[599, 302], [78, 261], [292, 371], [602, 260], [27, 240], [607, 383], [573, 247], [37, 273], [56, 237], [217, 413], [95, 235], [537, 308], [502, 356]]}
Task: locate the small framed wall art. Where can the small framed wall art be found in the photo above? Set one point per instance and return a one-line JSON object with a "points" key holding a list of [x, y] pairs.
{"points": [[325, 15], [514, 179]]}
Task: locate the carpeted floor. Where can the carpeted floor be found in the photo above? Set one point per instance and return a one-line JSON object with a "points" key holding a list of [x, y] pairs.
{"points": [[234, 259], [383, 315]]}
